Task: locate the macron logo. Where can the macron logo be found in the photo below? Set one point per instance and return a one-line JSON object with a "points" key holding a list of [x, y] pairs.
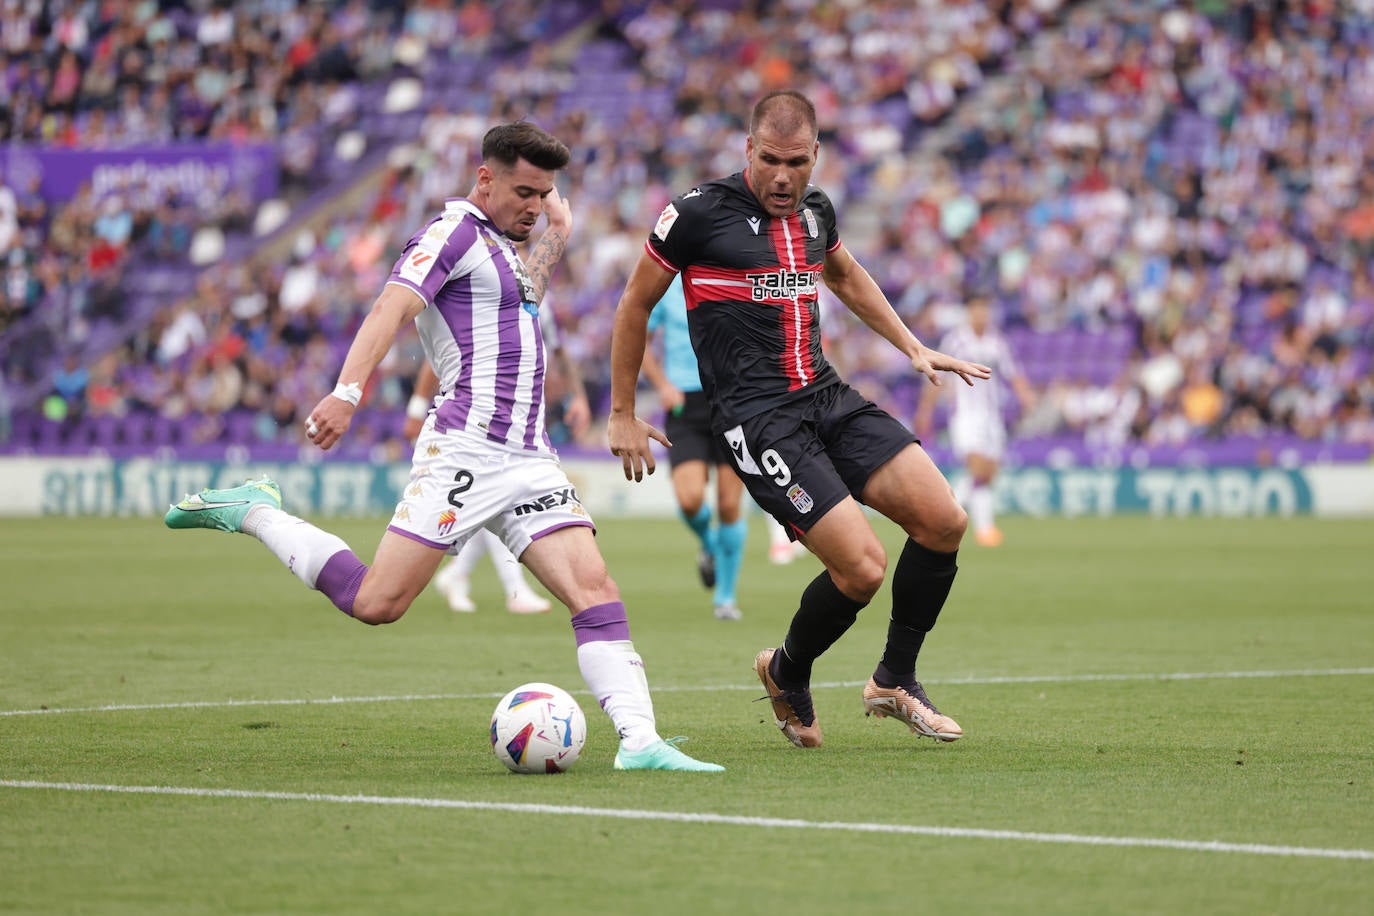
{"points": [[753, 222]]}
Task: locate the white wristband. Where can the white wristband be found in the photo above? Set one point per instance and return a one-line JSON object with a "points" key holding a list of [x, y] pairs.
{"points": [[417, 408], [352, 392]]}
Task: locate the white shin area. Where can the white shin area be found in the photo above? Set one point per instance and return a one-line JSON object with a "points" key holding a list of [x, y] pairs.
{"points": [[303, 548], [615, 674]]}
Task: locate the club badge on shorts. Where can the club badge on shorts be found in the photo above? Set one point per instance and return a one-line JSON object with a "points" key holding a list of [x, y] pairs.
{"points": [[800, 498], [446, 522]]}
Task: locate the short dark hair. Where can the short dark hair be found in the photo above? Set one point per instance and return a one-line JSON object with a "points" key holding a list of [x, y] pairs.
{"points": [[509, 143], [785, 111]]}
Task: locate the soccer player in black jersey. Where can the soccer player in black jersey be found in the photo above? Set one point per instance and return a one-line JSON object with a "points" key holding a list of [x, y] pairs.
{"points": [[753, 249]]}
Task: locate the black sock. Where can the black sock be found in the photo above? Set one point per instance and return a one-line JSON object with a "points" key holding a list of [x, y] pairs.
{"points": [[920, 585], [824, 615]]}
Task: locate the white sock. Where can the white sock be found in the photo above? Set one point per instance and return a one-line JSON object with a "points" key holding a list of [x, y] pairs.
{"points": [[302, 547], [776, 533], [980, 507], [466, 560], [963, 489], [615, 673], [507, 566]]}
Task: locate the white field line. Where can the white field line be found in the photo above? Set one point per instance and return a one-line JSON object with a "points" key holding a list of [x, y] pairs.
{"points": [[688, 817], [706, 688], [702, 688]]}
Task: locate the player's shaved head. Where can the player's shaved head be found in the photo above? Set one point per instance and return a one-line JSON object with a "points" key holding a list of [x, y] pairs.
{"points": [[784, 113]]}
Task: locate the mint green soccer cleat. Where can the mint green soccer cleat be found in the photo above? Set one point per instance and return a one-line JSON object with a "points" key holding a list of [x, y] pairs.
{"points": [[223, 509], [663, 755]]}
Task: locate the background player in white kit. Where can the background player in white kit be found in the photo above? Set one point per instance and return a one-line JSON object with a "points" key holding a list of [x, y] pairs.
{"points": [[977, 428], [483, 458]]}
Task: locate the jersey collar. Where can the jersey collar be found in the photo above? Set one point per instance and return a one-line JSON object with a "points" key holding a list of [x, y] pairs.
{"points": [[463, 205]]}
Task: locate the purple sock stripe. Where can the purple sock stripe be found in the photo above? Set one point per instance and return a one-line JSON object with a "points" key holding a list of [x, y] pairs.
{"points": [[601, 623], [340, 578]]}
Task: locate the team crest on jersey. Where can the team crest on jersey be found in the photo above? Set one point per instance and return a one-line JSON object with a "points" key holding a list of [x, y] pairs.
{"points": [[812, 229], [665, 222], [800, 498]]}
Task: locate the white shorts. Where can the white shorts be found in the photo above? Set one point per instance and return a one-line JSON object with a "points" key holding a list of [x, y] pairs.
{"points": [[977, 436], [460, 483]]}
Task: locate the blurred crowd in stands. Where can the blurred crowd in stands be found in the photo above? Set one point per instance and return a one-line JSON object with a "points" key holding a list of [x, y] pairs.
{"points": [[1171, 203]]}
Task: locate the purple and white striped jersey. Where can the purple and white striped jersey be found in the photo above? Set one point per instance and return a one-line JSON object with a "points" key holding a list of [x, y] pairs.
{"points": [[480, 329]]}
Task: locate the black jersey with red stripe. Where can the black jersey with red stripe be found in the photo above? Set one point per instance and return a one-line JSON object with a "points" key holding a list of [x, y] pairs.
{"points": [[751, 283]]}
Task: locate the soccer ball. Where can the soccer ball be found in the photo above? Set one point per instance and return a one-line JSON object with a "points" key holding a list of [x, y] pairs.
{"points": [[538, 728]]}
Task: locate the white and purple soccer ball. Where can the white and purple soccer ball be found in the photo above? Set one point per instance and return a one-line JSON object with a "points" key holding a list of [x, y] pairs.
{"points": [[538, 728]]}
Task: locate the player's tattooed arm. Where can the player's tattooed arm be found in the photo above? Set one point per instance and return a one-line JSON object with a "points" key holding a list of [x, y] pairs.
{"points": [[548, 251]]}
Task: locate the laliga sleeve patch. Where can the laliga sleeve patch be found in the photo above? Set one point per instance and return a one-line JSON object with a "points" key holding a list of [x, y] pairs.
{"points": [[417, 265], [665, 222]]}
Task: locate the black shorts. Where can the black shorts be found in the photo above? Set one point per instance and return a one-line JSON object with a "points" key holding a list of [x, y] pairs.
{"points": [[689, 429], [802, 459]]}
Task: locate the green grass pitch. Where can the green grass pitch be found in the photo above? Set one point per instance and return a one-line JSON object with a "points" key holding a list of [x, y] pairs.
{"points": [[1052, 654]]}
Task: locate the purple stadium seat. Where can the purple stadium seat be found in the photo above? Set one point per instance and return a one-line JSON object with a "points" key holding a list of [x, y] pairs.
{"points": [[166, 431], [135, 429]]}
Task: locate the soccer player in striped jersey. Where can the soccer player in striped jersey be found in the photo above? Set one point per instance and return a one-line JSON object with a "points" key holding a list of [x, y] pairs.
{"points": [[977, 430], [752, 249], [452, 579], [483, 458]]}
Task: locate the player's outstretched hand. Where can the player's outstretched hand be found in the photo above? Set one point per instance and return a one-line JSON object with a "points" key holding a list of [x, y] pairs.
{"points": [[931, 363], [328, 421], [629, 437]]}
